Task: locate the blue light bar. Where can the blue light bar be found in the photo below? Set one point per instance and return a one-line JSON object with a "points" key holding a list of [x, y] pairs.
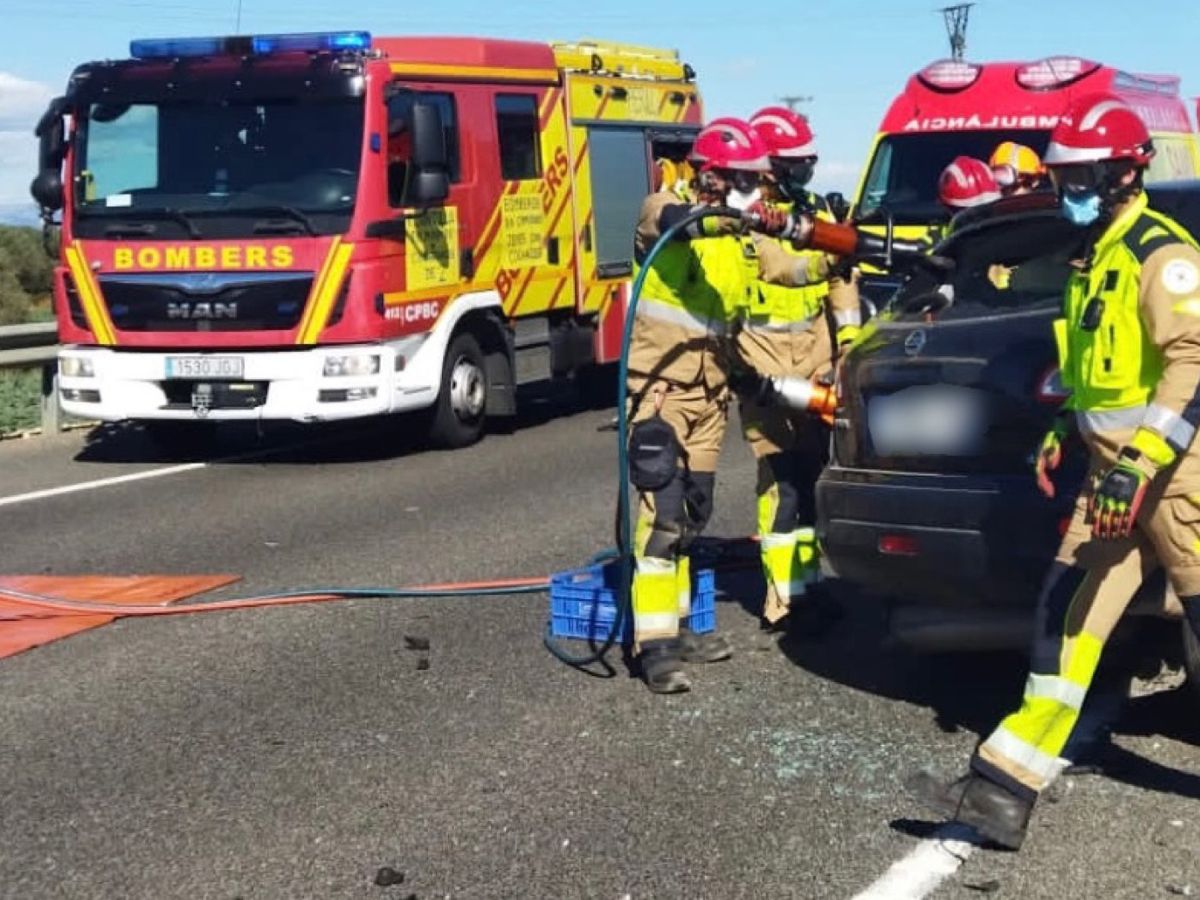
{"points": [[169, 48], [258, 45], [311, 42]]}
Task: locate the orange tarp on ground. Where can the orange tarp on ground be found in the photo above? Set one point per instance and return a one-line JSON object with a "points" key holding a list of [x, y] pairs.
{"points": [[22, 628]]}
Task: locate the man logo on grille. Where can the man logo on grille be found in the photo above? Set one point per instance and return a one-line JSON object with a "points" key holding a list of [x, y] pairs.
{"points": [[202, 310]]}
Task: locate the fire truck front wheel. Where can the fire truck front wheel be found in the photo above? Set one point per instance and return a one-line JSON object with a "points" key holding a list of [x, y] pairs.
{"points": [[461, 408]]}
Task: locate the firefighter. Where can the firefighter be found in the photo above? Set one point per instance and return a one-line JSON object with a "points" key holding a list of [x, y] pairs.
{"points": [[967, 183], [678, 385], [1129, 345], [1017, 169], [784, 332]]}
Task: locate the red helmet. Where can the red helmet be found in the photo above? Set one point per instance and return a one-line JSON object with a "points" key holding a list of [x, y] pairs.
{"points": [[1099, 128], [730, 144], [786, 133], [967, 182]]}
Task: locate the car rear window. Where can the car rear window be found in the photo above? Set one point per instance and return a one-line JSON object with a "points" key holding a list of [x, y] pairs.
{"points": [[1003, 266]]}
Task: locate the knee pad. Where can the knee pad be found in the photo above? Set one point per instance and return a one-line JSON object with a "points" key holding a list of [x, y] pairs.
{"points": [[781, 469], [1058, 590], [669, 525], [654, 454]]}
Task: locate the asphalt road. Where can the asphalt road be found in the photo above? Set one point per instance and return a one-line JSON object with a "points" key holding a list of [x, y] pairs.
{"points": [[293, 753]]}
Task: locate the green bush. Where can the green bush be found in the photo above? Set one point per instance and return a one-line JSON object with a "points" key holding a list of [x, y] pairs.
{"points": [[26, 275], [20, 399]]}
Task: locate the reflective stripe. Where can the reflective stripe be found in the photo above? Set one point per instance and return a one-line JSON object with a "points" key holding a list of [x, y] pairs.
{"points": [[1006, 744], [652, 565], [657, 622], [847, 316], [799, 327], [777, 539], [805, 535], [1172, 426], [675, 315], [1103, 420], [1057, 688]]}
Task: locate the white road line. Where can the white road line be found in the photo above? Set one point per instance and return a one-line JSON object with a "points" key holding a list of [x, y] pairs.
{"points": [[929, 864], [168, 470], [100, 483], [941, 855]]}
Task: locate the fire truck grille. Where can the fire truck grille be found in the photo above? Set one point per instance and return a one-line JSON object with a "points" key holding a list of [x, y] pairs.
{"points": [[206, 301]]}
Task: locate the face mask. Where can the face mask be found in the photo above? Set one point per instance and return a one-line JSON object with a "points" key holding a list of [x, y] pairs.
{"points": [[742, 199], [1081, 207]]}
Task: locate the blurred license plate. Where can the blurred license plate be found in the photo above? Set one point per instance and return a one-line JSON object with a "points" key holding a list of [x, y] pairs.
{"points": [[205, 366], [929, 420]]}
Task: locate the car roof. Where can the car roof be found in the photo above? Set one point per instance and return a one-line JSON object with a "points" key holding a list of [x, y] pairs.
{"points": [[1178, 199]]}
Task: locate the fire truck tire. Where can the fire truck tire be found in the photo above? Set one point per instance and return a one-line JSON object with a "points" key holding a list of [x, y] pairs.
{"points": [[597, 385], [461, 408], [1191, 657]]}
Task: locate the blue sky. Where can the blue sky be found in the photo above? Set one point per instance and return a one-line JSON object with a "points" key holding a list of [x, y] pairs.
{"points": [[851, 56]]}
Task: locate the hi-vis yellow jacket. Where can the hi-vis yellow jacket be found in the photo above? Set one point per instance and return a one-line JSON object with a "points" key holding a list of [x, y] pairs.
{"points": [[1129, 342]]}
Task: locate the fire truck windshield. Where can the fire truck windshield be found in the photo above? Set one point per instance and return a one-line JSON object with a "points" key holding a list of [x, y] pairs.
{"points": [[219, 168], [903, 177]]}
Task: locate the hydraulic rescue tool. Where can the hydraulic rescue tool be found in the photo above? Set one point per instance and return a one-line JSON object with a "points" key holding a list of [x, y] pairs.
{"points": [[806, 231]]}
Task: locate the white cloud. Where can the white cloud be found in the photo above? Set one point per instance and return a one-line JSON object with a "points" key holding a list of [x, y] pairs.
{"points": [[21, 105]]}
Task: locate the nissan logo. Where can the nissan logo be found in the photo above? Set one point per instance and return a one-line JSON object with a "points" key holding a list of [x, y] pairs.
{"points": [[915, 342]]}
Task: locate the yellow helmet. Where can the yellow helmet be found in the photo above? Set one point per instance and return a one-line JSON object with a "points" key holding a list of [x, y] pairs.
{"points": [[1023, 159]]}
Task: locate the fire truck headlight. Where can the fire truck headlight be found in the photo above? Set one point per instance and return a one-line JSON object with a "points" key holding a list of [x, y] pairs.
{"points": [[76, 367], [352, 364]]}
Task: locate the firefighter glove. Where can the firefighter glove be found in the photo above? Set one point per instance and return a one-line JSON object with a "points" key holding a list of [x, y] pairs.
{"points": [[1118, 496], [773, 221], [1050, 453]]}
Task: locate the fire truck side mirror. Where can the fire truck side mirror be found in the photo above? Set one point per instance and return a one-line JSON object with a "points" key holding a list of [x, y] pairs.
{"points": [[47, 186], [429, 173]]}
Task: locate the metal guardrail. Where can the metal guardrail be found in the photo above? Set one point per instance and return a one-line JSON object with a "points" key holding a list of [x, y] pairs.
{"points": [[35, 346]]}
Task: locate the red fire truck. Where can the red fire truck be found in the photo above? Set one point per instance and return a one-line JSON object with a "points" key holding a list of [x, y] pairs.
{"points": [[330, 226]]}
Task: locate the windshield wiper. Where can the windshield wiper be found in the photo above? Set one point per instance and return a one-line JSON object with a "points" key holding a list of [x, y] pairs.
{"points": [[298, 217], [134, 228]]}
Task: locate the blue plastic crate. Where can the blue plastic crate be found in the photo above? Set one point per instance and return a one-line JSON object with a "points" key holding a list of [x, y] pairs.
{"points": [[583, 603]]}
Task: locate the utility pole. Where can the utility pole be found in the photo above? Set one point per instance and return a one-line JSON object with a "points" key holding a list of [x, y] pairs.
{"points": [[237, 26], [794, 100], [956, 27]]}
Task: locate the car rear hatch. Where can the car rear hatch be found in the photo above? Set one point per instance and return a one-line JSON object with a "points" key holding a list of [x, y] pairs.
{"points": [[964, 386]]}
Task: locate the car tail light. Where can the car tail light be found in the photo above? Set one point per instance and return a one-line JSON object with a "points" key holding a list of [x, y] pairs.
{"points": [[899, 545], [1054, 72], [950, 74], [1050, 387]]}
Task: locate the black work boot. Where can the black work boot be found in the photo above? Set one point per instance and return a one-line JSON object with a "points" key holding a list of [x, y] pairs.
{"points": [[703, 648], [994, 811], [662, 667]]}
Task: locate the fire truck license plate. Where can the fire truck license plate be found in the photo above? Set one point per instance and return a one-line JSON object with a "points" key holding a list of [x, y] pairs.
{"points": [[205, 366]]}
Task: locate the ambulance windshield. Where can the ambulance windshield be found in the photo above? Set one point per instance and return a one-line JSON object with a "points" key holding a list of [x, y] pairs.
{"points": [[903, 178], [220, 167]]}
